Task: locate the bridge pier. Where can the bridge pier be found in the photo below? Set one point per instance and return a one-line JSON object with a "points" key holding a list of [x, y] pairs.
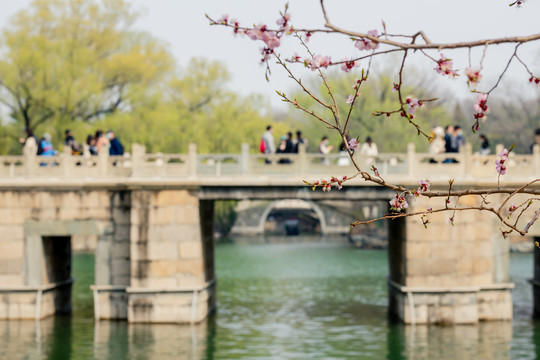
{"points": [[448, 274], [172, 249], [536, 281], [154, 255]]}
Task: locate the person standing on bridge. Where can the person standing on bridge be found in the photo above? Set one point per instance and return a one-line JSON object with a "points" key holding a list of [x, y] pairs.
{"points": [[71, 143], [102, 143], [29, 143], [437, 145], [116, 147], [299, 140], [325, 149], [267, 143], [370, 151]]}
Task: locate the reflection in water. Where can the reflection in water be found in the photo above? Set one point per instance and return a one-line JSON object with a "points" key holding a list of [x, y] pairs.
{"points": [[280, 301], [488, 340], [117, 340]]}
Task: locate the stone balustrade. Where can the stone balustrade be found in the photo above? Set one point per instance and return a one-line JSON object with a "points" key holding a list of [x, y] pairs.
{"points": [[410, 166]]}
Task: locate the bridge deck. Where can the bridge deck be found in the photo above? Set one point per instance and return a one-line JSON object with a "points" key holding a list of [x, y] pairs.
{"points": [[245, 169]]}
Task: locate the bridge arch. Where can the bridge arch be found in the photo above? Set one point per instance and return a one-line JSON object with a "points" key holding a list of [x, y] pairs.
{"points": [[318, 211]]}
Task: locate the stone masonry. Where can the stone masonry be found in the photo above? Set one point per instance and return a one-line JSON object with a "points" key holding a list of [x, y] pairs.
{"points": [[172, 255], [150, 253], [448, 274]]}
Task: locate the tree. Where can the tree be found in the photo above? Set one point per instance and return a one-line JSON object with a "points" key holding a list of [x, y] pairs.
{"points": [[194, 106], [376, 94], [375, 44], [67, 60]]}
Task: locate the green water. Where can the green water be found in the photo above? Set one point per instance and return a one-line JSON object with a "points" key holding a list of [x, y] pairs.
{"points": [[280, 301]]}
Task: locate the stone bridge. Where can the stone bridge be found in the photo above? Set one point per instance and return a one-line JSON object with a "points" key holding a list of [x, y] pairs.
{"points": [[153, 217]]}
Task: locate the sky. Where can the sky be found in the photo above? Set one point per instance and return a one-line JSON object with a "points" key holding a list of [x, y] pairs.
{"points": [[182, 24]]}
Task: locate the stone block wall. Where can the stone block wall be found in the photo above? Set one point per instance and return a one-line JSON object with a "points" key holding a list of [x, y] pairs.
{"points": [[170, 306], [166, 246], [160, 241], [35, 245], [171, 254], [446, 255], [445, 273]]}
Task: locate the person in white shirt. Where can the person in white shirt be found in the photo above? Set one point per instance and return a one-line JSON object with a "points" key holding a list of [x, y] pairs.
{"points": [[370, 151], [268, 140], [325, 149]]}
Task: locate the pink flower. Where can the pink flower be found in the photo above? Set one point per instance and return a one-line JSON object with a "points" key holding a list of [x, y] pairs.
{"points": [[224, 19], [367, 44], [501, 168], [424, 185], [347, 65], [283, 21], [444, 67], [499, 164], [481, 106], [350, 99], [319, 61], [473, 76], [257, 32], [517, 3], [413, 104], [395, 88], [270, 39], [398, 204], [353, 144]]}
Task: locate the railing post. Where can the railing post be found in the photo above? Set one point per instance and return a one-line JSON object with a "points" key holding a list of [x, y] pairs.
{"points": [[499, 148], [65, 161], [536, 159], [411, 161], [30, 153], [244, 160], [302, 158], [137, 159], [103, 162], [192, 159], [467, 158]]}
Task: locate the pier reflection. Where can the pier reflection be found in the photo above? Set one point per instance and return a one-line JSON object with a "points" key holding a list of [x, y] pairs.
{"points": [[489, 340], [115, 340]]}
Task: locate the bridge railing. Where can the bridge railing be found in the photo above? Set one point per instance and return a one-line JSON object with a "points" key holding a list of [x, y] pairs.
{"points": [[139, 164]]}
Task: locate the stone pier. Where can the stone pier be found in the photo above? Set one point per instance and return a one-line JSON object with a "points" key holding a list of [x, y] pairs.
{"points": [[448, 274], [154, 253], [535, 281], [172, 268]]}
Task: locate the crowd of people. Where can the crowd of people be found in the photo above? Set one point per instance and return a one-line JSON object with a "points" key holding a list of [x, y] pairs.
{"points": [[450, 140], [289, 145], [94, 144], [447, 140]]}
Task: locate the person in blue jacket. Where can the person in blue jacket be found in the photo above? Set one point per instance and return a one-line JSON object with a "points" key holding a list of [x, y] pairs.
{"points": [[116, 147], [46, 145]]}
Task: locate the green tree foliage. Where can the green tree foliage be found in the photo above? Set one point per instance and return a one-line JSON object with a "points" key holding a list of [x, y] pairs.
{"points": [[80, 64], [389, 133], [193, 107], [75, 60]]}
